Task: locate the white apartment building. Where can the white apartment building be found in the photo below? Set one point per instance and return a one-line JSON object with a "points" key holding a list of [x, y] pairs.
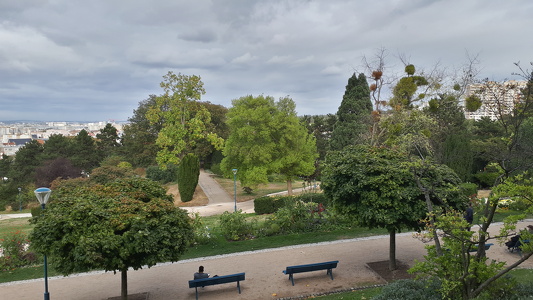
{"points": [[496, 97]]}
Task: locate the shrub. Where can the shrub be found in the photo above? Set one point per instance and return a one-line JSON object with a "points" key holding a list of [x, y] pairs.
{"points": [[15, 251], [468, 188], [234, 226], [268, 205], [164, 176], [295, 216], [202, 234], [313, 197], [215, 168], [410, 290]]}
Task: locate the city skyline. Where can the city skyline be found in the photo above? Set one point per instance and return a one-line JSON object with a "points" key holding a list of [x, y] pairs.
{"points": [[92, 61]]}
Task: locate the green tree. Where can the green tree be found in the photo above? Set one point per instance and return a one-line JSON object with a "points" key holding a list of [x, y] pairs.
{"points": [[296, 148], [184, 122], [119, 225], [57, 146], [27, 159], [188, 172], [84, 152], [376, 186], [353, 115], [267, 137], [108, 140], [139, 137]]}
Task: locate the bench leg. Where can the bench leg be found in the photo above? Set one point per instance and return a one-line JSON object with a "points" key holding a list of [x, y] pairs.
{"points": [[196, 288], [238, 287], [291, 279], [330, 272]]}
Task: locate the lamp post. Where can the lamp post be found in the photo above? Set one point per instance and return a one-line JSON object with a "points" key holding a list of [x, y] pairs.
{"points": [[43, 194], [235, 187], [20, 200]]}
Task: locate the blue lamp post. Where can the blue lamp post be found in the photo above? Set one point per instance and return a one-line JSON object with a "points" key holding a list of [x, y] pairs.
{"points": [[235, 187], [20, 200], [43, 194]]}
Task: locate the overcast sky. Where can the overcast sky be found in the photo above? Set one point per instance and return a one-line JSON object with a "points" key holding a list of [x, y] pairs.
{"points": [[70, 60]]}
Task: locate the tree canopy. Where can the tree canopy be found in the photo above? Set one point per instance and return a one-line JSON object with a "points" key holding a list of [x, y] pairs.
{"points": [[126, 223], [267, 137]]}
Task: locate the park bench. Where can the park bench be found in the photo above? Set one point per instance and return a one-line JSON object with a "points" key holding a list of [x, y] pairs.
{"points": [[310, 268], [217, 280]]}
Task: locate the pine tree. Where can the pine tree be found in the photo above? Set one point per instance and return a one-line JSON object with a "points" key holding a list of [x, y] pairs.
{"points": [[353, 115]]}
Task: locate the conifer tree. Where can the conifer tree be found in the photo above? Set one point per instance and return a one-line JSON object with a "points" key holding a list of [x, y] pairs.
{"points": [[353, 115], [188, 172]]}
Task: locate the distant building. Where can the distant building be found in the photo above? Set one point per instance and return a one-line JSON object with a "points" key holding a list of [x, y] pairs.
{"points": [[495, 97]]}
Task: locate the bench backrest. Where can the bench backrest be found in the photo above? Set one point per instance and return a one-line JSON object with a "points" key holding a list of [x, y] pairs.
{"points": [[311, 267], [216, 280]]}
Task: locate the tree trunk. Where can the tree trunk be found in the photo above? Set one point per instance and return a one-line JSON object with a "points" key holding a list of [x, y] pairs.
{"points": [[124, 285], [392, 250], [289, 187]]}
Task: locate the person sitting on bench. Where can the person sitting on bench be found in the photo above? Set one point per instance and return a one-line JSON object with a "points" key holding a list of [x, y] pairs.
{"points": [[200, 274]]}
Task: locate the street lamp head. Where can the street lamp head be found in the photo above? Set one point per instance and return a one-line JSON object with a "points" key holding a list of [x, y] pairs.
{"points": [[234, 171], [42, 194]]}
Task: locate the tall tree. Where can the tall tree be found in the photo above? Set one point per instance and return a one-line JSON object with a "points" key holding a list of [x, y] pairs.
{"points": [[184, 122], [267, 137], [85, 154], [296, 148], [139, 138], [126, 223], [108, 140], [353, 115]]}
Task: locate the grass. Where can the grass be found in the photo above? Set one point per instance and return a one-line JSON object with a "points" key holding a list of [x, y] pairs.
{"points": [[353, 295], [12, 225], [31, 272], [265, 189], [222, 246]]}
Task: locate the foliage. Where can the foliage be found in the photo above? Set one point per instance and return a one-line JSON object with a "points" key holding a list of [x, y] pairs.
{"points": [[472, 103], [188, 172], [166, 175], [108, 140], [462, 266], [107, 174], [268, 204], [58, 168], [374, 186], [202, 234], [266, 137], [295, 216], [184, 121], [234, 226], [115, 226], [353, 115], [14, 250], [139, 137], [468, 188], [85, 154], [409, 289]]}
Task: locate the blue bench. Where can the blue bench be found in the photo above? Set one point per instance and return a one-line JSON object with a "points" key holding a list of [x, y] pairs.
{"points": [[329, 265], [217, 280]]}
